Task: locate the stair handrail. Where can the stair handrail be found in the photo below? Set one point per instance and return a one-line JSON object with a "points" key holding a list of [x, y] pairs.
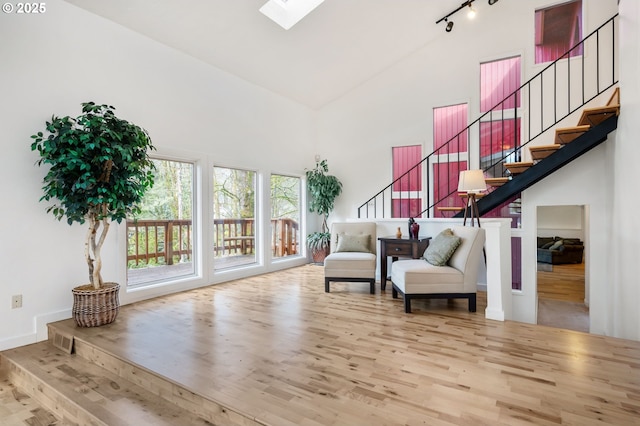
{"points": [[516, 150]]}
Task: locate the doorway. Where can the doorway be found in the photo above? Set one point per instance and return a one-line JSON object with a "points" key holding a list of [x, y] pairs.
{"points": [[561, 278]]}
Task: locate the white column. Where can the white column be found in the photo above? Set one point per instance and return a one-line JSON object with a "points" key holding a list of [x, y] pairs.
{"points": [[498, 250]]}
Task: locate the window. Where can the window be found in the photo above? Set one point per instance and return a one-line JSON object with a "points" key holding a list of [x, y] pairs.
{"points": [[285, 215], [558, 29], [234, 211], [500, 129], [450, 147], [407, 190], [160, 239]]}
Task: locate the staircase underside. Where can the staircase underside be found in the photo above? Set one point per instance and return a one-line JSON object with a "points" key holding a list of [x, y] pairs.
{"points": [[582, 144]]}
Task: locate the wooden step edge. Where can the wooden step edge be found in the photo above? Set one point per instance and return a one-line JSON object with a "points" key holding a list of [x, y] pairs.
{"points": [[614, 99], [519, 164], [32, 379], [206, 408], [541, 152], [575, 129], [81, 392], [601, 112], [518, 167], [569, 134], [499, 181]]}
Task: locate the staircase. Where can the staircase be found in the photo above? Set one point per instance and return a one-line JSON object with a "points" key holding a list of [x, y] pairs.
{"points": [[590, 118], [570, 143], [523, 160], [91, 386]]}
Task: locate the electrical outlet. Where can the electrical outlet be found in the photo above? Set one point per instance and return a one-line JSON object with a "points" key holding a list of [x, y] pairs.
{"points": [[16, 301]]}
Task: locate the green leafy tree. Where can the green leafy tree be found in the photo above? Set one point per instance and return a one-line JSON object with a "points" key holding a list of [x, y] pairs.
{"points": [[99, 170]]}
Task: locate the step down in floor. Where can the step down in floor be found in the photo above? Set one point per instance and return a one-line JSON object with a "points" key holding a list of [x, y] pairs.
{"points": [[541, 152], [81, 392], [517, 168], [568, 134]]}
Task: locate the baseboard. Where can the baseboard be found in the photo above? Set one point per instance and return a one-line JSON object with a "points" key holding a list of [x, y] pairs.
{"points": [[42, 333], [15, 342]]}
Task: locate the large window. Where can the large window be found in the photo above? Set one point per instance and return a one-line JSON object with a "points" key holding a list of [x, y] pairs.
{"points": [[234, 212], [451, 155], [160, 239], [285, 215], [500, 129], [558, 29]]}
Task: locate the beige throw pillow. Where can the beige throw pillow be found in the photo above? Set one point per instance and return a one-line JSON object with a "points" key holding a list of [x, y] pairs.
{"points": [[353, 243]]}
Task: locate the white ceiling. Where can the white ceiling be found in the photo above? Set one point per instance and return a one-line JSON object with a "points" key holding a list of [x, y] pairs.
{"points": [[338, 46]]}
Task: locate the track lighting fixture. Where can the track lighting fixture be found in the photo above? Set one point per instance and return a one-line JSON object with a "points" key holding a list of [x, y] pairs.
{"points": [[449, 26], [471, 13]]}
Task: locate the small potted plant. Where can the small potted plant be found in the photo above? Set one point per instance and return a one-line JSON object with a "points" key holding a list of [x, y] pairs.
{"points": [[99, 169], [323, 190]]}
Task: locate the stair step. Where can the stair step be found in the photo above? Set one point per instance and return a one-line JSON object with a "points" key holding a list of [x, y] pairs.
{"points": [[615, 97], [80, 392], [568, 134], [18, 408], [519, 167], [595, 116], [542, 151], [499, 181]]}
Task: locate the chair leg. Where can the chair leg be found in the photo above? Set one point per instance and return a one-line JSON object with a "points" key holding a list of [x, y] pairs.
{"points": [[326, 285], [407, 304], [472, 303], [372, 287], [394, 292]]}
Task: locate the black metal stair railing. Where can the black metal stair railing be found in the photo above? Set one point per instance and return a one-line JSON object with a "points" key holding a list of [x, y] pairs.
{"points": [[553, 94]]}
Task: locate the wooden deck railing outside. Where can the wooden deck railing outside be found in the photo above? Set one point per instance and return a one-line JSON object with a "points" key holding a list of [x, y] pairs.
{"points": [[147, 239]]}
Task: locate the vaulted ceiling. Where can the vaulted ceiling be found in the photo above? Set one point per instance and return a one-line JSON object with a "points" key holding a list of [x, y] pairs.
{"points": [[338, 46]]}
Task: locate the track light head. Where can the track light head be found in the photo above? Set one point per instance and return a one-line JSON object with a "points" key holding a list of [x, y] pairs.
{"points": [[492, 2], [471, 13], [449, 26]]}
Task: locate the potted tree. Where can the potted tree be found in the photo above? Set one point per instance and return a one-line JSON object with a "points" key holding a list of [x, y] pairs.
{"points": [[323, 190], [99, 169]]}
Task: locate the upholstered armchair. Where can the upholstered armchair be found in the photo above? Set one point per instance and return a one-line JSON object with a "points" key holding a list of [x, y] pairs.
{"points": [[448, 270], [352, 255]]}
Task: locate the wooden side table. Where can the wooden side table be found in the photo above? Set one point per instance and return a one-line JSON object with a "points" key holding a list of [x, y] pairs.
{"points": [[399, 247]]}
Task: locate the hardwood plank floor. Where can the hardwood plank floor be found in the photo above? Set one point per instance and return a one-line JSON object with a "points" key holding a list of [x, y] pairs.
{"points": [[282, 351], [561, 297], [563, 282]]}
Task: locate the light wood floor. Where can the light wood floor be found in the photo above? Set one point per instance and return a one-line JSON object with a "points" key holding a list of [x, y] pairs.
{"points": [[563, 282], [279, 349]]}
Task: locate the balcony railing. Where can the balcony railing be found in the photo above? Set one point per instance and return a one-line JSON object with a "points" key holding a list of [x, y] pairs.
{"points": [[170, 241]]}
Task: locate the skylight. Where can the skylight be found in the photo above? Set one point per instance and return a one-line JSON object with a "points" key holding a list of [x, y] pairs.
{"points": [[287, 13]]}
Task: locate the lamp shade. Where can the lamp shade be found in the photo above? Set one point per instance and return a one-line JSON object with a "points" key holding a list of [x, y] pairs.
{"points": [[471, 181]]}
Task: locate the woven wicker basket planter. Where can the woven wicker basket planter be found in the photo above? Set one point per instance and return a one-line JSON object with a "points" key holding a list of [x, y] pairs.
{"points": [[93, 308], [318, 255]]}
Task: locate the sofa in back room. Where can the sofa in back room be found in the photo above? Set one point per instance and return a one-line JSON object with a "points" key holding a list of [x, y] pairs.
{"points": [[559, 250]]}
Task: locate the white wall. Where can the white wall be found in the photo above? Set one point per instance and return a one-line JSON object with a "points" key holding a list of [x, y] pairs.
{"points": [[623, 315], [51, 63], [563, 221]]}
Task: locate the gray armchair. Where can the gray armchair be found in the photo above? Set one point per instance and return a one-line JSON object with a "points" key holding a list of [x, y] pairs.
{"points": [[352, 256]]}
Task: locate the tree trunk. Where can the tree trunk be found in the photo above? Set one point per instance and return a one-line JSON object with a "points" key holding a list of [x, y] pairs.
{"points": [[93, 246]]}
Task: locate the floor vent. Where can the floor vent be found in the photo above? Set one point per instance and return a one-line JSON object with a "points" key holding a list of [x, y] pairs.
{"points": [[62, 341]]}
